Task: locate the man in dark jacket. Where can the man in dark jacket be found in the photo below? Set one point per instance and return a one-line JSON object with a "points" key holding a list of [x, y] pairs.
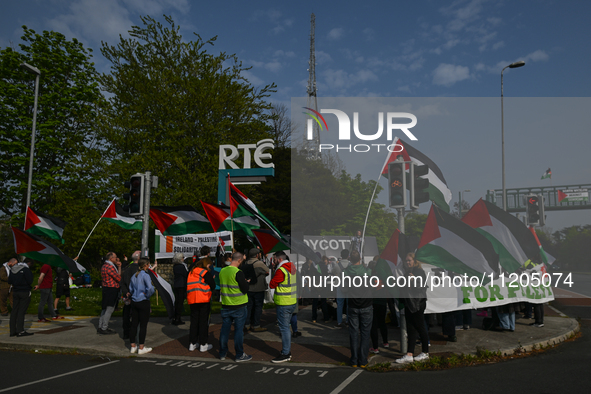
{"points": [[130, 270], [21, 279], [360, 311], [255, 270], [181, 272]]}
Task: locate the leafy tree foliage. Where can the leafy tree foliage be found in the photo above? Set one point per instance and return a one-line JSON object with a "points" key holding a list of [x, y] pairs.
{"points": [[67, 147], [171, 104]]}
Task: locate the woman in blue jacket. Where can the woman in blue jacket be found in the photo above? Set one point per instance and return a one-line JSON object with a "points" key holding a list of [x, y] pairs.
{"points": [[141, 290]]}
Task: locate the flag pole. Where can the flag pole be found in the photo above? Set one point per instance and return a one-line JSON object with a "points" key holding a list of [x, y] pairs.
{"points": [[91, 231], [229, 200]]}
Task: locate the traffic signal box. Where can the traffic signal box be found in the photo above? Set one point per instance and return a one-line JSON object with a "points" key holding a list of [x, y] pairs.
{"points": [[534, 210], [418, 185], [397, 184], [135, 197]]}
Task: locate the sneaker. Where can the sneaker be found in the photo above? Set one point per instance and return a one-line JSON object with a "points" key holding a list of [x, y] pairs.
{"points": [[134, 350], [24, 334], [363, 366], [192, 347], [459, 328], [244, 357], [57, 318], [297, 334], [105, 332], [70, 309], [386, 344], [144, 350], [259, 329], [539, 325], [222, 358], [405, 360], [374, 351], [466, 327], [44, 320], [109, 330], [205, 348], [354, 365], [281, 358], [422, 357]]}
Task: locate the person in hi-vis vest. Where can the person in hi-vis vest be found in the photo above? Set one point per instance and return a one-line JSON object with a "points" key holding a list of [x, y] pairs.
{"points": [[200, 284], [285, 297], [233, 289]]}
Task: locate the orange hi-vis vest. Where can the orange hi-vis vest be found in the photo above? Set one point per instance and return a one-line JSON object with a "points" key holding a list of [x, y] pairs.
{"points": [[198, 291]]}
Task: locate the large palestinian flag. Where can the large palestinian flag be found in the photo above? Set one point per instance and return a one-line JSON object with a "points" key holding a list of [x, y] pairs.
{"points": [[451, 244], [42, 224], [221, 220], [116, 214], [269, 242], [179, 220], [439, 193], [245, 203], [32, 246], [391, 263], [510, 238]]}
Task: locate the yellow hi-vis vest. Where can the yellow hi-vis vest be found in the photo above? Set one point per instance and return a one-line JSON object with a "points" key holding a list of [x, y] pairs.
{"points": [[286, 291], [229, 288]]}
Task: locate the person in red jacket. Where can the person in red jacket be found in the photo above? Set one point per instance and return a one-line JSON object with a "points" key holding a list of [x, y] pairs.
{"points": [[45, 284]]}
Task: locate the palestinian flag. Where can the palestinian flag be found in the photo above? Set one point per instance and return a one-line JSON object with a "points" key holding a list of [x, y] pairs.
{"points": [[220, 219], [269, 242], [453, 245], [510, 238], [42, 224], [547, 174], [395, 253], [116, 214], [30, 245], [164, 291], [243, 202], [439, 193], [179, 220], [546, 257]]}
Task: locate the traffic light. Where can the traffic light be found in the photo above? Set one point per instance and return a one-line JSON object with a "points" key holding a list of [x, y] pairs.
{"points": [[418, 186], [534, 210], [135, 197], [397, 184]]}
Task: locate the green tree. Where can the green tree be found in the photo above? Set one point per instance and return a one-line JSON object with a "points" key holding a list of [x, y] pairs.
{"points": [[171, 104], [67, 147]]}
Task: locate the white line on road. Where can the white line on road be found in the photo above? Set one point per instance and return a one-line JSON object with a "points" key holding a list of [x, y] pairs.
{"points": [[58, 376], [346, 382], [557, 311]]}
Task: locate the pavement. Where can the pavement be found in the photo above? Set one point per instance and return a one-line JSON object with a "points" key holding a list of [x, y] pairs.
{"points": [[320, 343]]}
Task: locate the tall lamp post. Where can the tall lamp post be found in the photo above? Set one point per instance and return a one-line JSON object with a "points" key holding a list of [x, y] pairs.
{"points": [[520, 63], [37, 73], [462, 201]]}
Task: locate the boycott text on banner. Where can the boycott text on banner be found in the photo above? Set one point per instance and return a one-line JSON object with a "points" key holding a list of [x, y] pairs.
{"points": [[533, 285], [332, 245], [166, 246]]}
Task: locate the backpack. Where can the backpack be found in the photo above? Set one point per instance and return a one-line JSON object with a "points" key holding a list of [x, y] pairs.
{"points": [[249, 273]]}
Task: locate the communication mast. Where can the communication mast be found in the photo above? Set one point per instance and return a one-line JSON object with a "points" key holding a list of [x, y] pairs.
{"points": [[313, 145]]}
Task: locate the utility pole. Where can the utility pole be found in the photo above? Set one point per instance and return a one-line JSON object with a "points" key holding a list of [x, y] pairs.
{"points": [[314, 145]]}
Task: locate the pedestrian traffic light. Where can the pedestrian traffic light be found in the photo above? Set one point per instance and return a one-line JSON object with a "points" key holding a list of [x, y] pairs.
{"points": [[135, 197], [397, 184], [418, 185], [534, 210]]}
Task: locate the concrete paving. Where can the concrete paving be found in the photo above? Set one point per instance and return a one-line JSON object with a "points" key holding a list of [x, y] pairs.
{"points": [[320, 343]]}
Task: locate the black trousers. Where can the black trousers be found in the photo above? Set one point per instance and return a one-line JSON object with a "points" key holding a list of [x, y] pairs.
{"points": [[379, 322], [539, 313], [323, 306], [199, 330], [180, 293], [415, 323], [20, 303], [140, 315], [126, 319]]}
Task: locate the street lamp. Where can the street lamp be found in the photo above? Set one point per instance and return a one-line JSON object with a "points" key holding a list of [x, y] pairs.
{"points": [[35, 71], [462, 200], [520, 63]]}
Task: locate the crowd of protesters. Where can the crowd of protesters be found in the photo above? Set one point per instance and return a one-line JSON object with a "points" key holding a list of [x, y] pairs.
{"points": [[245, 281]]}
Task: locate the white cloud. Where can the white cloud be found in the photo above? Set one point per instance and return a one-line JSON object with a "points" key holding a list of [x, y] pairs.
{"points": [[253, 79], [369, 34], [282, 53], [537, 56], [336, 33], [273, 66], [498, 45], [448, 74], [322, 57], [340, 79]]}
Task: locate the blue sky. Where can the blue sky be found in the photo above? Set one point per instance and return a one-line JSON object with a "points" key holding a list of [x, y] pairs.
{"points": [[374, 48]]}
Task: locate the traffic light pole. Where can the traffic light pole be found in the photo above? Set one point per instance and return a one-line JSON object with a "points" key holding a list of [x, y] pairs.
{"points": [[146, 222], [403, 332]]}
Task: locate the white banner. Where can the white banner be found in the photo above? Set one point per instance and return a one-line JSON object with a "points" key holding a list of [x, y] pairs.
{"points": [[446, 294], [166, 246]]}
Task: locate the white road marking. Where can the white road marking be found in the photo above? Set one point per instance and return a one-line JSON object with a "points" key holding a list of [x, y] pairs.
{"points": [[58, 376], [557, 311], [346, 382]]}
